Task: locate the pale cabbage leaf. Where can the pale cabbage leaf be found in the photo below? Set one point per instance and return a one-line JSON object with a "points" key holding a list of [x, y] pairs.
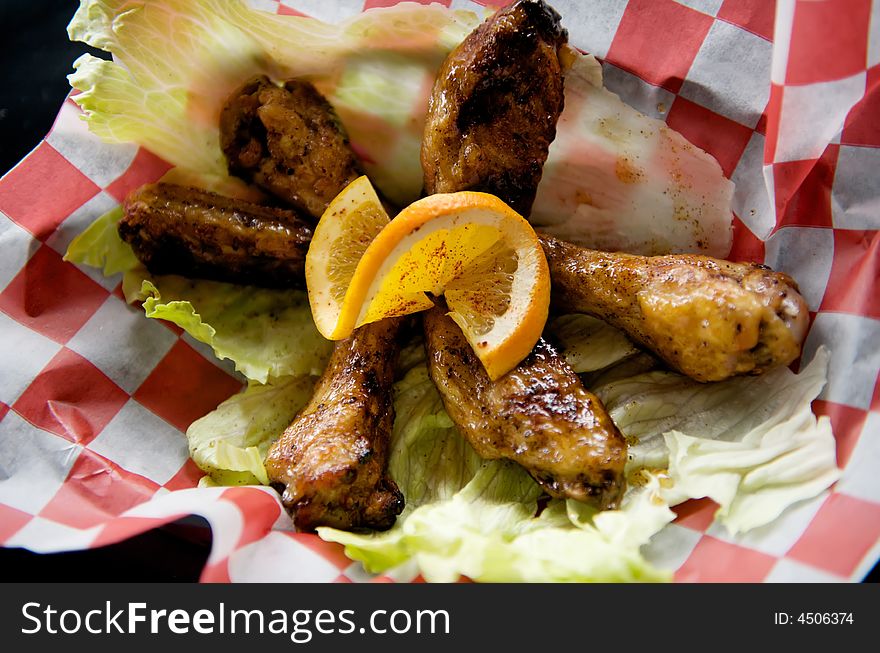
{"points": [[750, 443], [231, 442]]}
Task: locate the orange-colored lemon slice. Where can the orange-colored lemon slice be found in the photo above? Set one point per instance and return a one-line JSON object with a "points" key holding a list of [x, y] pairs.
{"points": [[470, 247]]}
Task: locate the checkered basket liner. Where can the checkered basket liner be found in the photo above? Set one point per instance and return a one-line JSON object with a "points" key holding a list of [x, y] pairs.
{"points": [[94, 399]]}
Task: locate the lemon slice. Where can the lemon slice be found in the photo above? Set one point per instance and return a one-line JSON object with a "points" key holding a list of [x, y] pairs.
{"points": [[474, 249], [350, 223]]}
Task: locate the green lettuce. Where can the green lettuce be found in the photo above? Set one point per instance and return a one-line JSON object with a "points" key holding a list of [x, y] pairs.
{"points": [[231, 442], [265, 333], [101, 247], [176, 61]]}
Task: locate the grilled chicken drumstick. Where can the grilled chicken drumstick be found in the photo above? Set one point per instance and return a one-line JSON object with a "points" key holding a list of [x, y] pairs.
{"points": [[707, 318], [330, 464], [179, 230], [492, 114], [491, 119], [287, 140], [538, 415]]}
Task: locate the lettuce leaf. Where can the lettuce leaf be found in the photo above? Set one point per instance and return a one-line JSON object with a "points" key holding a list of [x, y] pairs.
{"points": [[101, 247], [479, 519], [266, 333], [231, 442], [618, 180], [754, 480], [752, 444], [488, 531], [176, 61]]}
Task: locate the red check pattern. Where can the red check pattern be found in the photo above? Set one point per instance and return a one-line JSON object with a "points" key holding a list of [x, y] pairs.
{"points": [[73, 427]]}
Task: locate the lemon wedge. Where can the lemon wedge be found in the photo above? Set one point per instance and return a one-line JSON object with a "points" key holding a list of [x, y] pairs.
{"points": [[469, 247], [347, 227]]}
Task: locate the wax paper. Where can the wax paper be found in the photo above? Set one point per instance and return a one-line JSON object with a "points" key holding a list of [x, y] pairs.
{"points": [[94, 398]]}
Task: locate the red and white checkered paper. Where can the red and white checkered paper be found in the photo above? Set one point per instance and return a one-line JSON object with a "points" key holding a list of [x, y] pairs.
{"points": [[94, 398]]}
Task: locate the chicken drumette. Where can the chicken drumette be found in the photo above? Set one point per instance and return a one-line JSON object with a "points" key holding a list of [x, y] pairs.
{"points": [[707, 318]]}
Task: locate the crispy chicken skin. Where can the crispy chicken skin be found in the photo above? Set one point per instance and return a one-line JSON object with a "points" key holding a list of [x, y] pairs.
{"points": [[707, 318], [288, 141], [330, 464], [179, 230], [493, 110], [539, 415]]}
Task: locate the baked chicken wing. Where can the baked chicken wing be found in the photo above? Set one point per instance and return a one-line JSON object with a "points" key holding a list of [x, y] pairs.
{"points": [[330, 464], [287, 140], [179, 230], [493, 110], [707, 318]]}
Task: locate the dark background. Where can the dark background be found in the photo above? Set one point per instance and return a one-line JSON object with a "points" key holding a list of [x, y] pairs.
{"points": [[36, 59]]}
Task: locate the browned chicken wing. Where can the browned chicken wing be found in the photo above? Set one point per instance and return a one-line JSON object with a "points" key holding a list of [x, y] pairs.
{"points": [[179, 230], [493, 111], [330, 464], [288, 141], [491, 119], [707, 318], [539, 415]]}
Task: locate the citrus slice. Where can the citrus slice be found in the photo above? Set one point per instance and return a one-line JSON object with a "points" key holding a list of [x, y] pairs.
{"points": [[350, 223], [474, 249]]}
